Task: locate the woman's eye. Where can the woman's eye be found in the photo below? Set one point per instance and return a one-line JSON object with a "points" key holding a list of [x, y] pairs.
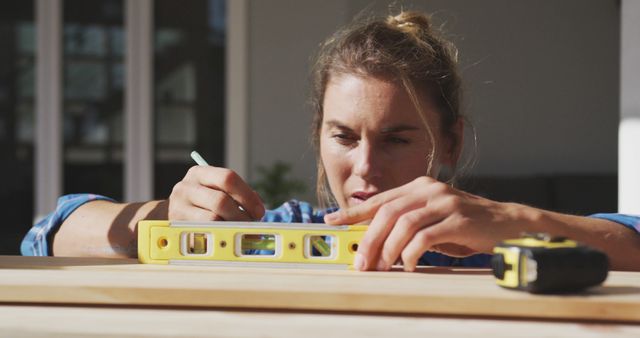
{"points": [[343, 138], [397, 140]]}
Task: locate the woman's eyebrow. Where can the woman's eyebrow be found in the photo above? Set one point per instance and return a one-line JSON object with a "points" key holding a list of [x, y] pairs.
{"points": [[337, 124], [387, 130], [398, 128]]}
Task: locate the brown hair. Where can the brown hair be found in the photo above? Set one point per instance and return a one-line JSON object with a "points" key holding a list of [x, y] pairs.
{"points": [[403, 48]]}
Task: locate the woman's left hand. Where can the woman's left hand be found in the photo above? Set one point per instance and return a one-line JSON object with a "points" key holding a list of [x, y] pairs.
{"points": [[428, 215]]}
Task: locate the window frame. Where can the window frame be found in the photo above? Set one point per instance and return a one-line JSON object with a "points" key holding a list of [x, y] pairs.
{"points": [[138, 105]]}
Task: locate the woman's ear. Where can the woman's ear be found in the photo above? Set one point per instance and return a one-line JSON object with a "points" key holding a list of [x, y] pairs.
{"points": [[453, 144]]}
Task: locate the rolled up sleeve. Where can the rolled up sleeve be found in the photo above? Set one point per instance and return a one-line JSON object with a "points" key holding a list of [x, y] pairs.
{"points": [[630, 221], [37, 242]]}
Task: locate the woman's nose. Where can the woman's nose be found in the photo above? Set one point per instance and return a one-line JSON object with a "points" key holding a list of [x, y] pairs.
{"points": [[366, 162]]}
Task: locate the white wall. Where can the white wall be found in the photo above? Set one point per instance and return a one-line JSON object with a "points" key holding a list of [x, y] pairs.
{"points": [[542, 80], [629, 152], [283, 35]]}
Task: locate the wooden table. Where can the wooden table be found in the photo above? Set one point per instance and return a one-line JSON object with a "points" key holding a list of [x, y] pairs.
{"points": [[102, 297]]}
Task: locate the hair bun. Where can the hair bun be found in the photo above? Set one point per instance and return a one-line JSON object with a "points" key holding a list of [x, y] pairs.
{"points": [[410, 22]]}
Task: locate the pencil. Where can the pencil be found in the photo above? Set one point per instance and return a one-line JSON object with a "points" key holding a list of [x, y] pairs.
{"points": [[201, 161]]}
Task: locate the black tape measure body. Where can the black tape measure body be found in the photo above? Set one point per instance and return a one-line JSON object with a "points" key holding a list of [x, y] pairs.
{"points": [[540, 264]]}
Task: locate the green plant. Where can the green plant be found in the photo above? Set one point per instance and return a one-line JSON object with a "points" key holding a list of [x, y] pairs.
{"points": [[274, 186]]}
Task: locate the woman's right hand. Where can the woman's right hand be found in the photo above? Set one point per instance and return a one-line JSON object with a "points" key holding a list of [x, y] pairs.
{"points": [[210, 193]]}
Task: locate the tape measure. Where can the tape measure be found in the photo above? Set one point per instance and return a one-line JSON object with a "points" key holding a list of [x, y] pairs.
{"points": [[539, 263], [255, 244]]}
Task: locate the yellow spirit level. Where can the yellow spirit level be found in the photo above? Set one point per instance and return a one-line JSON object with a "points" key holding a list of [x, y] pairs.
{"points": [[539, 263], [248, 244]]}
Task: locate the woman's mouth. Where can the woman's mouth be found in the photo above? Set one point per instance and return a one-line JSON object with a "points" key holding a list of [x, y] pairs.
{"points": [[360, 196]]}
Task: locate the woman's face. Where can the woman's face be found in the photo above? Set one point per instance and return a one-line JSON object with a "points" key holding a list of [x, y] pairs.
{"points": [[372, 138]]}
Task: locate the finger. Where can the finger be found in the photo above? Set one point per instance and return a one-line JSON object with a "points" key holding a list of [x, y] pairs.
{"points": [[260, 208], [231, 183], [404, 230], [380, 227], [192, 213], [425, 239], [217, 202], [366, 210], [414, 250], [436, 211]]}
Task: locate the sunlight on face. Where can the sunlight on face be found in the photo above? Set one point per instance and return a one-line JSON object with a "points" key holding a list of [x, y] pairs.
{"points": [[372, 138]]}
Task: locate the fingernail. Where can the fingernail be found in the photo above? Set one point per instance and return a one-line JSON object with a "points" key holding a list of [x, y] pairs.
{"points": [[382, 266], [330, 217], [359, 262]]}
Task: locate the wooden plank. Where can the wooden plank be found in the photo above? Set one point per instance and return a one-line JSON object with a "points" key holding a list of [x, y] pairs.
{"points": [[20, 262], [62, 321], [442, 291]]}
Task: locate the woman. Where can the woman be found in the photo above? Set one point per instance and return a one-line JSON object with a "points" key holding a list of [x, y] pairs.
{"points": [[387, 123]]}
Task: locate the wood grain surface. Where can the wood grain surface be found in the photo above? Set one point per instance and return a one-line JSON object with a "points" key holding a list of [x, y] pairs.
{"points": [[64, 321], [432, 291]]}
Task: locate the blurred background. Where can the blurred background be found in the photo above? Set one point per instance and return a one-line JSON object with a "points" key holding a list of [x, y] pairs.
{"points": [[230, 79]]}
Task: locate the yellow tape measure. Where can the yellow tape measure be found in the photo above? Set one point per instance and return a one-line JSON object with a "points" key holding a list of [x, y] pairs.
{"points": [[248, 244], [539, 263]]}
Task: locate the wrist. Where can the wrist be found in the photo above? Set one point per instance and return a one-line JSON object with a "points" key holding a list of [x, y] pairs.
{"points": [[153, 210], [528, 219], [159, 210], [544, 221]]}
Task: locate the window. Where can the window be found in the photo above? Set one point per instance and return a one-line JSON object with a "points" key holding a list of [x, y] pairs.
{"points": [[93, 40], [188, 97], [17, 90], [189, 50]]}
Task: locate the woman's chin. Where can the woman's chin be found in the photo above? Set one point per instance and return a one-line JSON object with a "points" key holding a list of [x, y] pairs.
{"points": [[355, 201]]}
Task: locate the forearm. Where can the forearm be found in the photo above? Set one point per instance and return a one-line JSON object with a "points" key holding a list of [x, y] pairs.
{"points": [[620, 243], [105, 229]]}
